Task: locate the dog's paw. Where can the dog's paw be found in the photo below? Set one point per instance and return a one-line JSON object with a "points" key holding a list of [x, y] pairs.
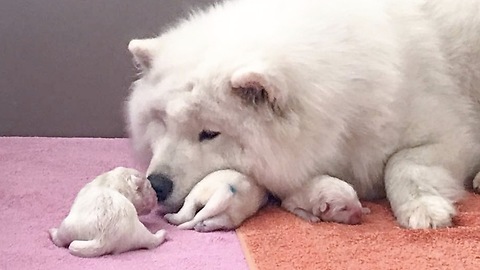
{"points": [[476, 183], [426, 212]]}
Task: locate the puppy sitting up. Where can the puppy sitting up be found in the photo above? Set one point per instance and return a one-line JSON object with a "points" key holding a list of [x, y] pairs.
{"points": [[227, 197], [326, 199], [104, 216]]}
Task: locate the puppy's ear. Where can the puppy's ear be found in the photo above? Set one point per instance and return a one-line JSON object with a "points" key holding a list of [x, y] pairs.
{"points": [[324, 207], [257, 86], [142, 51], [137, 181], [320, 207]]}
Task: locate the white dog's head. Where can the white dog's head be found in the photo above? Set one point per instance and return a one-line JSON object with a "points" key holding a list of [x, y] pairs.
{"points": [[214, 94], [190, 123]]}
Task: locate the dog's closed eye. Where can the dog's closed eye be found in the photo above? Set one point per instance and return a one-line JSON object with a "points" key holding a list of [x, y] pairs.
{"points": [[207, 135]]}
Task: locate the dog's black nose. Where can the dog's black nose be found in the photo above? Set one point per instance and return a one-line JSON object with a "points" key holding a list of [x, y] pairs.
{"points": [[162, 184]]}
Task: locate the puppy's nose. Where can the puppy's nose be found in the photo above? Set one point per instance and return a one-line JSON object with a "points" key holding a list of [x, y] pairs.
{"points": [[162, 184], [355, 218]]}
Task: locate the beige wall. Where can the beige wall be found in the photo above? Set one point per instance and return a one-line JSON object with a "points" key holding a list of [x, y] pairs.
{"points": [[64, 67]]}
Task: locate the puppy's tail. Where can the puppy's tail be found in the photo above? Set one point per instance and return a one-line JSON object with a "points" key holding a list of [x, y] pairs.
{"points": [[217, 204], [87, 249]]}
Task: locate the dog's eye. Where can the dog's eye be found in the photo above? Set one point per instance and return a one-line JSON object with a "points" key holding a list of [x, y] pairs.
{"points": [[344, 208], [206, 135]]}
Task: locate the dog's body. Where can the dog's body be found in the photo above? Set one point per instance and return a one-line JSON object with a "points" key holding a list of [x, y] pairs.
{"points": [[226, 198], [382, 94], [326, 198], [103, 218]]}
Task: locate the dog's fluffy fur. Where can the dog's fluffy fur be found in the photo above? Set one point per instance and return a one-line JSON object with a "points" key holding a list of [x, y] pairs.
{"points": [[103, 218], [326, 198], [383, 94], [226, 198]]}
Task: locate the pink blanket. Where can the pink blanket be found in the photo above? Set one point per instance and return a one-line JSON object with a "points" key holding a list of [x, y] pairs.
{"points": [[40, 177]]}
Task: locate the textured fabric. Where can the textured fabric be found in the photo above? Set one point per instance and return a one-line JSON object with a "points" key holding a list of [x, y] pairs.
{"points": [[40, 177], [275, 239]]}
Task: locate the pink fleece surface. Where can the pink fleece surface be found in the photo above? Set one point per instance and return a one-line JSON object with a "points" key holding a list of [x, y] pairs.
{"points": [[40, 177]]}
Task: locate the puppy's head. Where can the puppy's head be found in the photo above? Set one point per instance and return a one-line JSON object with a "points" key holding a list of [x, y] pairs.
{"points": [[337, 202], [144, 197], [133, 185]]}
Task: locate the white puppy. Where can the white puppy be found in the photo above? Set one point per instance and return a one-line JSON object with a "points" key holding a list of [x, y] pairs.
{"points": [[103, 218], [328, 199], [227, 197]]}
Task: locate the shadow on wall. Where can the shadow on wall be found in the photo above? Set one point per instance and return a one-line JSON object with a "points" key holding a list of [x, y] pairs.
{"points": [[64, 65]]}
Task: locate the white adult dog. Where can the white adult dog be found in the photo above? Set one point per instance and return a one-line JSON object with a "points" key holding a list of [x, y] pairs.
{"points": [[383, 94]]}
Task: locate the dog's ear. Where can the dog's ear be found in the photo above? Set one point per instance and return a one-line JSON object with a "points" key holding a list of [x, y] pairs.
{"points": [[142, 51], [257, 86]]}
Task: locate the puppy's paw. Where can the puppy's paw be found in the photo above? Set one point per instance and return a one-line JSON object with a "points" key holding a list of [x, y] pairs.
{"points": [[313, 219], [161, 236], [306, 215], [214, 224], [426, 212], [204, 227], [476, 183], [187, 225], [366, 211], [174, 219], [53, 234], [154, 240], [200, 227], [54, 237]]}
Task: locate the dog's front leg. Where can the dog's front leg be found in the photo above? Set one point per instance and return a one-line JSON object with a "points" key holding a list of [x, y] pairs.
{"points": [[422, 185]]}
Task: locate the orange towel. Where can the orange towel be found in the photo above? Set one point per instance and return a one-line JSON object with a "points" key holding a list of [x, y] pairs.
{"points": [[275, 239]]}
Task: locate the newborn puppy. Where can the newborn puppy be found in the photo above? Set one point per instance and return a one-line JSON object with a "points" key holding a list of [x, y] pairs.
{"points": [[227, 197], [328, 199], [104, 216]]}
